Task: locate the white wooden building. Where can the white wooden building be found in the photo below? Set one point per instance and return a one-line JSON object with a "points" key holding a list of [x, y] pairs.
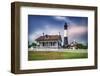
{"points": [[49, 41]]}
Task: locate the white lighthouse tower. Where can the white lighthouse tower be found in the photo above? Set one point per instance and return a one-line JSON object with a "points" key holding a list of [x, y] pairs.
{"points": [[65, 35]]}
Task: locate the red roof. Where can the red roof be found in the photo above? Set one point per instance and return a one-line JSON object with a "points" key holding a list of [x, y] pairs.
{"points": [[49, 38]]}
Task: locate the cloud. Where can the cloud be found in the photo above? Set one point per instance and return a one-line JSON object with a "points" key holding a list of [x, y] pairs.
{"points": [[77, 30], [77, 33], [61, 18], [74, 32], [50, 30]]}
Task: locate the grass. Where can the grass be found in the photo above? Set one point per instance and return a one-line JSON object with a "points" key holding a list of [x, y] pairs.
{"points": [[48, 55]]}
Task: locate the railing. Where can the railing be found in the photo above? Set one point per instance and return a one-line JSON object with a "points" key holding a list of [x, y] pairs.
{"points": [[59, 50]]}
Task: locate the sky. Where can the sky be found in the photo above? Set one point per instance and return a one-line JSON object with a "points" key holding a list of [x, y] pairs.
{"points": [[52, 25]]}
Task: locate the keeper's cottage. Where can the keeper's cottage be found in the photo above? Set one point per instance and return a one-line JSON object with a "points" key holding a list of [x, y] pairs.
{"points": [[49, 41]]}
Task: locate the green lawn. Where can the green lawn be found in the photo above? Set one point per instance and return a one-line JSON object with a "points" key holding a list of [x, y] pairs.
{"points": [[47, 55]]}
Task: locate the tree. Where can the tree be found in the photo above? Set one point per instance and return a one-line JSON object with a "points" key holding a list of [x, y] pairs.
{"points": [[29, 45], [81, 46], [34, 45]]}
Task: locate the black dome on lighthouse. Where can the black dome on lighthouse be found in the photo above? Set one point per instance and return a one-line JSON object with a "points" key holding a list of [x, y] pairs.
{"points": [[65, 25]]}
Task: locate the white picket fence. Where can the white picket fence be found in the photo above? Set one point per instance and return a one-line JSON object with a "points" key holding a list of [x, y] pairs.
{"points": [[59, 50]]}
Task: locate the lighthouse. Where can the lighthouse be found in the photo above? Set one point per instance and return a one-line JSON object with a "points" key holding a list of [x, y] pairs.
{"points": [[65, 35]]}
